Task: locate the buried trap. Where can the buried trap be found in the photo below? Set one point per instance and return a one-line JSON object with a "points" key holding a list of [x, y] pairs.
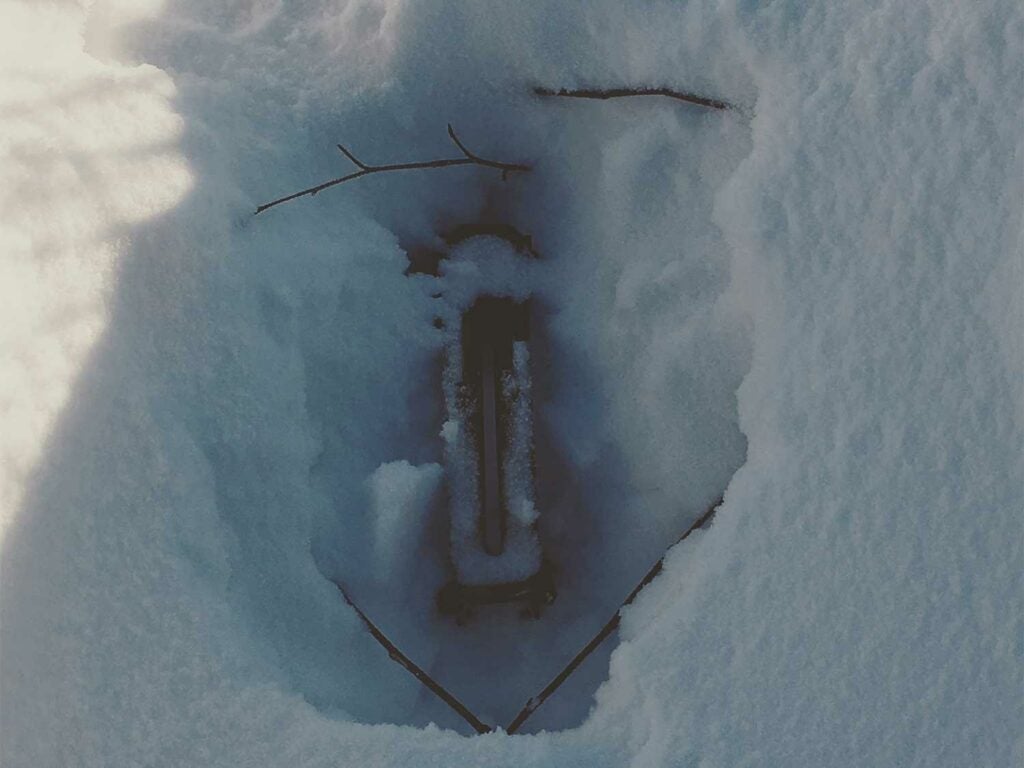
{"points": [[495, 548], [534, 702], [496, 554]]}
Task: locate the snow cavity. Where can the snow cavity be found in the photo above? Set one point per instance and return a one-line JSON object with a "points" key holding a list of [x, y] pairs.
{"points": [[638, 344], [82, 142]]}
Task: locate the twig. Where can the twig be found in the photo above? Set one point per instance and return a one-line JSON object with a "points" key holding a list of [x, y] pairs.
{"points": [[416, 671], [616, 93], [534, 702], [365, 169]]}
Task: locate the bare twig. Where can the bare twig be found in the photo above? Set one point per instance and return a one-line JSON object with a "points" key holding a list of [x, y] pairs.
{"points": [[616, 93], [534, 702], [365, 169], [356, 161]]}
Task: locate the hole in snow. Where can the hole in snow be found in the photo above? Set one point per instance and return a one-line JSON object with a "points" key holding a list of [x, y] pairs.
{"points": [[635, 359]]}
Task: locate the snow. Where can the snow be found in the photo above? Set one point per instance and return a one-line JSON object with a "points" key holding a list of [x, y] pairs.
{"points": [[812, 303], [400, 499], [484, 266]]}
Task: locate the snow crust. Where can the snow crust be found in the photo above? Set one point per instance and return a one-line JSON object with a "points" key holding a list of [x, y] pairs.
{"points": [[813, 302]]}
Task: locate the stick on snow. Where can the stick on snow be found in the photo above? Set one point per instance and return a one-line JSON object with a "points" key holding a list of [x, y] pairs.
{"points": [[617, 93], [415, 670], [468, 158], [534, 703]]}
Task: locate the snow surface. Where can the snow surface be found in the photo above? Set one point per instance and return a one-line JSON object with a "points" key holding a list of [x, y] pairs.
{"points": [[813, 302], [401, 496]]}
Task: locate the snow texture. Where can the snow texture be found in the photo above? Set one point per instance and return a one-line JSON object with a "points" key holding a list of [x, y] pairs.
{"points": [[812, 302], [400, 499]]}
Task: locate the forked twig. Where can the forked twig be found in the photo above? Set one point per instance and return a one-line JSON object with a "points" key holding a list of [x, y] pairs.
{"points": [[616, 93], [468, 158]]}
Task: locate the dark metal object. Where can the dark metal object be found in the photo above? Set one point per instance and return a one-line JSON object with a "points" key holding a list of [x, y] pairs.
{"points": [[490, 328], [542, 585], [534, 702], [396, 655], [427, 260]]}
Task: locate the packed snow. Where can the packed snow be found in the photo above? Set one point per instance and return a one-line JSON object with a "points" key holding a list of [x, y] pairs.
{"points": [[812, 302]]}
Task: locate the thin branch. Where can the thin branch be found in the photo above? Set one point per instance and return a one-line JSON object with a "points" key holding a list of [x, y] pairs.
{"points": [[459, 144], [535, 701], [356, 161], [365, 170], [616, 93]]}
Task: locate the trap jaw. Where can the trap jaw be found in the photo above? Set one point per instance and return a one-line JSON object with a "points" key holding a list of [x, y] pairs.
{"points": [[490, 331], [495, 547]]}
